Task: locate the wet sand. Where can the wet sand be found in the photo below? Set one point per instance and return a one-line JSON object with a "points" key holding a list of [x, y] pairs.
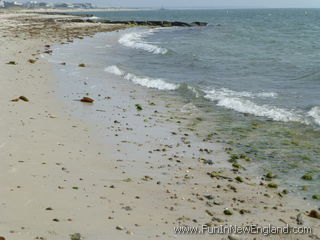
{"points": [[135, 173]]}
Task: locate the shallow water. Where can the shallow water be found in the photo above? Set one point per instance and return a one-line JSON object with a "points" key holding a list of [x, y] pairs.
{"points": [[255, 73]]}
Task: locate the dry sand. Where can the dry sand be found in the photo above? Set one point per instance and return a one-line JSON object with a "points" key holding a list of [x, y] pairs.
{"points": [[58, 176]]}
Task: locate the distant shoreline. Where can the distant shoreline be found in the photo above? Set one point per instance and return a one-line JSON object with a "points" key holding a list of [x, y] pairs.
{"points": [[62, 10]]}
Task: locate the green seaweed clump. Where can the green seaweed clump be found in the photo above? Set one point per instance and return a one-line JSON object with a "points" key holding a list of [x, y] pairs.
{"points": [[138, 107], [307, 177], [273, 185], [228, 212], [316, 197]]}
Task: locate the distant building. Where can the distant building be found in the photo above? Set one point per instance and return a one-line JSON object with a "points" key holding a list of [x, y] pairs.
{"points": [[1, 4], [83, 5], [34, 4], [61, 5]]}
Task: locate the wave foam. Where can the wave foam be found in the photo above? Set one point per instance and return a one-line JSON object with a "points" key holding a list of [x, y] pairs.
{"points": [[315, 114], [135, 40], [143, 81], [231, 100], [230, 93]]}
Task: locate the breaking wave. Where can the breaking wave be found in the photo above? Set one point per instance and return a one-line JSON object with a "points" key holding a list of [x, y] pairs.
{"points": [[142, 80], [315, 114], [135, 40], [232, 100]]}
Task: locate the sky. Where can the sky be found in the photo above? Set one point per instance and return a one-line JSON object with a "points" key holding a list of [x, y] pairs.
{"points": [[202, 3]]}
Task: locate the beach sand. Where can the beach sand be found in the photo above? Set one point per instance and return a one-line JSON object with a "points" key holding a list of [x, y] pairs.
{"points": [[136, 176]]}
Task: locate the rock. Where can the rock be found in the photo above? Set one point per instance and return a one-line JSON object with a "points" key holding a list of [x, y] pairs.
{"points": [[209, 197], [12, 63], [87, 100], [314, 214], [119, 228], [233, 237], [23, 98], [207, 161], [15, 100], [31, 61], [75, 236], [2, 238], [82, 65], [180, 24]]}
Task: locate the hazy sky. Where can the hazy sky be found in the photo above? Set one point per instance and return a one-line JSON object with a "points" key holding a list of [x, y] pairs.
{"points": [[204, 3]]}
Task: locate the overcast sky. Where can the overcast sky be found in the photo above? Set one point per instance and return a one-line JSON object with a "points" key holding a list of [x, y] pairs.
{"points": [[203, 3]]}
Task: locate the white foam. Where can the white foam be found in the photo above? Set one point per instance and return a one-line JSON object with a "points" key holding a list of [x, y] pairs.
{"points": [[315, 114], [135, 40], [231, 93], [195, 91], [114, 70], [143, 81], [232, 100]]}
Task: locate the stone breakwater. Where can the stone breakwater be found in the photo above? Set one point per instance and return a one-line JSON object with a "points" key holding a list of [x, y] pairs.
{"points": [[144, 23], [86, 18]]}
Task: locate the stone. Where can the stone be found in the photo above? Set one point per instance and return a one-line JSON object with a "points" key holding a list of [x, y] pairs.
{"points": [[119, 228], [314, 214], [82, 65], [31, 61], [87, 100], [23, 98]]}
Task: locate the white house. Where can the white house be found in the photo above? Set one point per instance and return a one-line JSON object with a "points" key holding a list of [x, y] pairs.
{"points": [[1, 4]]}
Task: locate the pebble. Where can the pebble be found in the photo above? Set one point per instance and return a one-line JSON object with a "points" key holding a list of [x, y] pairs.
{"points": [[119, 228]]}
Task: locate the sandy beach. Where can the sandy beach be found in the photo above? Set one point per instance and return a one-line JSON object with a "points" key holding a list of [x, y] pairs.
{"points": [[151, 166]]}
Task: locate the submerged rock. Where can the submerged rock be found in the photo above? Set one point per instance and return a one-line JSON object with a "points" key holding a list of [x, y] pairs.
{"points": [[75, 236], [307, 176]]}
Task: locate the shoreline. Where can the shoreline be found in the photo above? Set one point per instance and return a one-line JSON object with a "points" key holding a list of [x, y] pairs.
{"points": [[113, 192]]}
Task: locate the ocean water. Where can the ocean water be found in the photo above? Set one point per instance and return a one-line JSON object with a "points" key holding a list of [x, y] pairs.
{"points": [[254, 73]]}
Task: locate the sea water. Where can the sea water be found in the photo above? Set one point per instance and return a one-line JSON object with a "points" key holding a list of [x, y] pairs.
{"points": [[255, 73]]}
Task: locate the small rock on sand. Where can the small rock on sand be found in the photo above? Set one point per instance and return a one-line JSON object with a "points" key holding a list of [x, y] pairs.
{"points": [[31, 61], [314, 214], [23, 98], [119, 227], [87, 100]]}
